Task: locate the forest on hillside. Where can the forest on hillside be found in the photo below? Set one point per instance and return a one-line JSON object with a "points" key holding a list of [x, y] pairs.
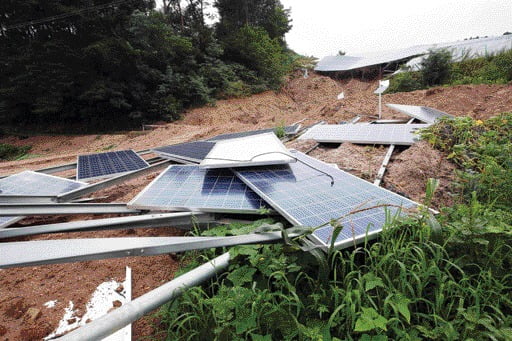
{"points": [[98, 65]]}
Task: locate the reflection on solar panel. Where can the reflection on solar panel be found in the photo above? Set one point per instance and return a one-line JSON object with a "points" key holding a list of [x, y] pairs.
{"points": [[262, 149], [193, 189], [305, 196], [288, 130], [425, 114], [189, 151], [32, 183], [6, 221], [96, 166], [400, 134]]}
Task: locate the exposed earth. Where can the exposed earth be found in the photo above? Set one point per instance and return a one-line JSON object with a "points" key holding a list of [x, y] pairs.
{"points": [[311, 99]]}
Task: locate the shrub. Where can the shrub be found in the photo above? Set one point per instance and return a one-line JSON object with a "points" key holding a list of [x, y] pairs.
{"points": [[10, 152], [436, 67], [406, 81]]}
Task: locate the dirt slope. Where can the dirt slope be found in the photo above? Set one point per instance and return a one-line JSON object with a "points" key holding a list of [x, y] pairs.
{"points": [[313, 98]]}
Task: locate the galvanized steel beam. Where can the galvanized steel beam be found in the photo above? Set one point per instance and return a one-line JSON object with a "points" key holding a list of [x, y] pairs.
{"points": [[64, 208], [132, 311]]}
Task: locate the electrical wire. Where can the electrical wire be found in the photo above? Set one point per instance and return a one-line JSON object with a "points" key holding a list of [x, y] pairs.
{"points": [[62, 16], [275, 152]]}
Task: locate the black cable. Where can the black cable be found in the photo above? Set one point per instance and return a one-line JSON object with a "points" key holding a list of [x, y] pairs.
{"points": [[62, 16], [274, 152]]}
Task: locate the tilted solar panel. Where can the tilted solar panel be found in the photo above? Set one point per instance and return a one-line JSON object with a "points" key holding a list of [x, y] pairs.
{"points": [[425, 114], [288, 130], [190, 188], [399, 134], [188, 151], [102, 165], [261, 149], [8, 220], [314, 195], [33, 183]]}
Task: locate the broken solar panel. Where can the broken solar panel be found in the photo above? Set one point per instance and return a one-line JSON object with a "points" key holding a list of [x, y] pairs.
{"points": [[190, 188], [32, 183], [288, 130], [188, 151], [399, 134], [102, 165], [425, 114], [254, 150], [312, 193]]}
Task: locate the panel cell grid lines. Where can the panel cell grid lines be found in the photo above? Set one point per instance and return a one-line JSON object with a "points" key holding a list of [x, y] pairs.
{"points": [[102, 165], [304, 196], [425, 114], [32, 183], [189, 188], [288, 130], [189, 151], [399, 134]]}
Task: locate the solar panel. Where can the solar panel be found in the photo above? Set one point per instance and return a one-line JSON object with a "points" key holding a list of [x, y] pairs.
{"points": [[189, 151], [190, 188], [8, 220], [399, 134], [262, 149], [102, 165], [32, 183], [288, 130], [425, 114], [304, 196]]}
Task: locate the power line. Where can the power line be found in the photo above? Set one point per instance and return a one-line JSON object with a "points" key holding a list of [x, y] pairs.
{"points": [[62, 16]]}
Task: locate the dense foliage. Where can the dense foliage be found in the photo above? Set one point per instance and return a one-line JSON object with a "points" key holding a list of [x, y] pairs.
{"points": [[102, 65], [10, 152], [491, 69], [444, 278]]}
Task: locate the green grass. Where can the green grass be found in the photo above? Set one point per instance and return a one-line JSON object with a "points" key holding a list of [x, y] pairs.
{"points": [[436, 278], [10, 152]]}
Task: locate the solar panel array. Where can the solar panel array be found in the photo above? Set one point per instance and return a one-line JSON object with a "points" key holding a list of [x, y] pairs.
{"points": [[425, 114], [188, 151], [261, 149], [399, 134], [193, 189], [101, 165], [33, 183], [289, 130], [305, 196]]}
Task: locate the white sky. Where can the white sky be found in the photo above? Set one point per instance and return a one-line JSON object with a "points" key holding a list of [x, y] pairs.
{"points": [[323, 27]]}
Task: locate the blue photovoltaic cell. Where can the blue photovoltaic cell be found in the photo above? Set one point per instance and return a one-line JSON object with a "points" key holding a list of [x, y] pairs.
{"points": [[289, 130], [32, 183], [191, 188], [304, 196], [108, 164], [190, 151]]}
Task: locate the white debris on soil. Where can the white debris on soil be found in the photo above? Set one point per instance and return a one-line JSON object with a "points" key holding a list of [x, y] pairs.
{"points": [[50, 304], [101, 302]]}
